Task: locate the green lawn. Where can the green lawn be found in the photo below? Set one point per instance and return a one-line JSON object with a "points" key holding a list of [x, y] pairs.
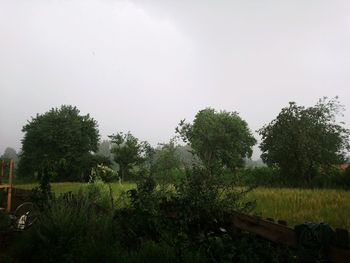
{"points": [[293, 205]]}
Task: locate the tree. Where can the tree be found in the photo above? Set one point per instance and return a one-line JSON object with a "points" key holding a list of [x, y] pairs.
{"points": [[166, 160], [104, 148], [218, 138], [10, 154], [127, 152], [60, 141], [301, 140], [186, 156]]}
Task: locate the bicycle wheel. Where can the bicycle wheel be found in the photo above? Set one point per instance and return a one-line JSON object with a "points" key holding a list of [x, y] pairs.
{"points": [[26, 214]]}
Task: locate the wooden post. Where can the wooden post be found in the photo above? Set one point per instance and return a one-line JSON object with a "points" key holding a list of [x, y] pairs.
{"points": [[282, 222], [2, 171], [342, 237], [9, 190]]}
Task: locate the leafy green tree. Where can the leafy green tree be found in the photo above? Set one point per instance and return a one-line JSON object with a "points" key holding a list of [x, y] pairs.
{"points": [[127, 152], [186, 156], [104, 148], [10, 154], [301, 140], [218, 138], [61, 137], [91, 161], [166, 161]]}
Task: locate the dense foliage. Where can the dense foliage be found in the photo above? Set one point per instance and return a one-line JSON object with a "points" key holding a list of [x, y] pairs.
{"points": [[128, 151], [105, 173], [273, 177], [305, 141], [10, 154], [182, 224], [187, 220], [60, 140], [218, 138], [166, 163]]}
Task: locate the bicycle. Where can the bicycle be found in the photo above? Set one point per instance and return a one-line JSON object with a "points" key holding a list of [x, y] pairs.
{"points": [[24, 216]]}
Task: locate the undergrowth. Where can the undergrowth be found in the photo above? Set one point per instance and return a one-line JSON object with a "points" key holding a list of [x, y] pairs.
{"points": [[185, 223]]}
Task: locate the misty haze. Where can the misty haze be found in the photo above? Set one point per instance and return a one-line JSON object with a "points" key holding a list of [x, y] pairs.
{"points": [[158, 130]]}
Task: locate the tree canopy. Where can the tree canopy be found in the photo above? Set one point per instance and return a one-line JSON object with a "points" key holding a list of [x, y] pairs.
{"points": [[166, 161], [60, 140], [10, 154], [301, 139], [127, 151], [218, 138]]}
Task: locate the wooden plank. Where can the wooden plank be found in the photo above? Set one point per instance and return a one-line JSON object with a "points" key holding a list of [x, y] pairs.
{"points": [[269, 230], [282, 222], [339, 255], [342, 237], [282, 234], [4, 186]]}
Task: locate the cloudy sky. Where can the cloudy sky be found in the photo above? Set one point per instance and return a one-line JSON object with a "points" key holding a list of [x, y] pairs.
{"points": [[142, 65]]}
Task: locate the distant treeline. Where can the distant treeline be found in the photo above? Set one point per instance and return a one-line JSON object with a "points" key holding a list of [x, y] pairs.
{"points": [[301, 146]]}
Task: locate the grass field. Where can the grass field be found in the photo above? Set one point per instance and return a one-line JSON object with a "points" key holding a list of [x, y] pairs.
{"points": [[293, 205], [60, 188], [299, 205]]}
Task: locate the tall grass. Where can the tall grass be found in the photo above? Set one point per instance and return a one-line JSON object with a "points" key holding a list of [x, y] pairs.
{"points": [[291, 204], [299, 205], [74, 187]]}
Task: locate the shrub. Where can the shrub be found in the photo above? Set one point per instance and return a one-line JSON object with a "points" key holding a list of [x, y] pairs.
{"points": [[333, 178], [70, 229], [272, 177], [260, 176], [185, 223], [185, 217], [5, 221], [99, 193], [172, 177], [105, 173]]}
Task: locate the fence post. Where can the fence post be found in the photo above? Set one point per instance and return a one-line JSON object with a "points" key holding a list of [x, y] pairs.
{"points": [[9, 190], [342, 237], [2, 171]]}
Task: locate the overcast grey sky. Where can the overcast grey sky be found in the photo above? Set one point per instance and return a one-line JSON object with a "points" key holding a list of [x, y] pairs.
{"points": [[142, 65]]}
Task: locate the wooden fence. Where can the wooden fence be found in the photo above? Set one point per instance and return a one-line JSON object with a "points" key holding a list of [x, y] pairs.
{"points": [[279, 233], [9, 185], [18, 197]]}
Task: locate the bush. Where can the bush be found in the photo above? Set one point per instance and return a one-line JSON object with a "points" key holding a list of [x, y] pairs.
{"points": [[272, 177], [192, 214], [333, 178], [172, 177], [188, 224], [104, 173], [5, 221], [99, 193], [260, 176], [71, 229], [185, 223]]}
